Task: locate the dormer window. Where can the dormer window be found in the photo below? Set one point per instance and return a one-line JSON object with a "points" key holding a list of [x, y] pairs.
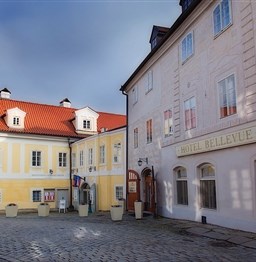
{"points": [[87, 124], [16, 121], [185, 4]]}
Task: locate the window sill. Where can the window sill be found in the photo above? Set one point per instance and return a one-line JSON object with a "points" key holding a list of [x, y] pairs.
{"points": [[222, 31]]}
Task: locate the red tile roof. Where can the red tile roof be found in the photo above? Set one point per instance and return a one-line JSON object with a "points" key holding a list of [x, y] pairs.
{"points": [[52, 120]]}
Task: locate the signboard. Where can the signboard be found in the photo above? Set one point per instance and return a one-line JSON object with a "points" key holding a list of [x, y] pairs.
{"points": [[242, 137], [132, 187]]}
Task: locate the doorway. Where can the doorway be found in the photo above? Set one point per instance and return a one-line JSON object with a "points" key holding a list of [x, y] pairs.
{"points": [[148, 190]]}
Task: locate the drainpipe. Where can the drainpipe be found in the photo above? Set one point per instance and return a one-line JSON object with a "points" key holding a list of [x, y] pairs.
{"points": [[126, 164], [71, 207]]}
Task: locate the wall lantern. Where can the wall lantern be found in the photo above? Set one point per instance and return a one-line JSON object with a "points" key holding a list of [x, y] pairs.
{"points": [[50, 171], [90, 169], [141, 160]]}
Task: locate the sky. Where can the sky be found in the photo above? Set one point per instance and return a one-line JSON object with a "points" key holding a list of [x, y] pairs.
{"points": [[83, 50]]}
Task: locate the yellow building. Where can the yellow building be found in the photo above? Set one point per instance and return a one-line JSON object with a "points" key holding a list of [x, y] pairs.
{"points": [[35, 149]]}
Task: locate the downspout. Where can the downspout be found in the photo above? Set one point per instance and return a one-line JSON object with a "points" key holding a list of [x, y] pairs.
{"points": [[71, 207], [126, 164]]}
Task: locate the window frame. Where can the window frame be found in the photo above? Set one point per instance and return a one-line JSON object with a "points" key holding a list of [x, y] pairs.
{"points": [[62, 159], [87, 124], [136, 137], [181, 196], [222, 27], [90, 156], [37, 159], [188, 53], [229, 113], [16, 121], [192, 123], [35, 199], [117, 152], [135, 95], [149, 131], [102, 154], [117, 193], [81, 158], [73, 160], [168, 123], [148, 81]]}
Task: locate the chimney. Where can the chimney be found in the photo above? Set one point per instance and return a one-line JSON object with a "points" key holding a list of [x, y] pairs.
{"points": [[5, 93], [65, 103]]}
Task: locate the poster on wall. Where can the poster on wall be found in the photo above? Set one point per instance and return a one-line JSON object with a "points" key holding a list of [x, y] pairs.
{"points": [[49, 195], [132, 187], [75, 194]]}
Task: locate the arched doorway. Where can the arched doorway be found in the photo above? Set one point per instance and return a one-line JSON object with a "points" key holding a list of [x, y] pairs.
{"points": [[133, 186], [85, 194], [148, 183]]}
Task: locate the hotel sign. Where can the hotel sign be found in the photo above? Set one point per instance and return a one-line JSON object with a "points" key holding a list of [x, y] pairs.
{"points": [[242, 137]]}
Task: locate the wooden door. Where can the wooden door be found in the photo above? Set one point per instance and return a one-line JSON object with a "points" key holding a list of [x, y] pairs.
{"points": [[133, 186], [149, 196]]}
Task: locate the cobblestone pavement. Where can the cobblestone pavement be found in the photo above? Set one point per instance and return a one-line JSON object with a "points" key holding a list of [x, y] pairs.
{"points": [[68, 237]]}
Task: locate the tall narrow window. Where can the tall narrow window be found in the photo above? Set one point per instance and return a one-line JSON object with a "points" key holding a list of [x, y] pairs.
{"points": [[222, 16], [207, 187], [81, 158], [190, 113], [102, 154], [90, 158], [227, 96], [181, 186], [119, 192], [149, 131], [117, 153], [168, 123], [36, 158], [187, 47], [62, 159], [148, 81], [135, 94], [73, 160], [136, 137]]}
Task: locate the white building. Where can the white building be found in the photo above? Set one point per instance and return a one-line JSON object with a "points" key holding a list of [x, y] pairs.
{"points": [[191, 116]]}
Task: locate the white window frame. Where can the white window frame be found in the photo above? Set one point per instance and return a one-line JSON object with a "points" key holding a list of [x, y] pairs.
{"points": [[62, 159], [168, 123], [117, 197], [87, 124], [148, 81], [223, 26], [190, 104], [73, 160], [90, 156], [187, 47], [32, 196], [102, 154], [181, 176], [38, 159], [81, 158], [225, 94], [207, 178], [16, 121], [117, 152]]}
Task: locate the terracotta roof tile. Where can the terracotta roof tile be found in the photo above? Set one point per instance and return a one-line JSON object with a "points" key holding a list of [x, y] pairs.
{"points": [[53, 120]]}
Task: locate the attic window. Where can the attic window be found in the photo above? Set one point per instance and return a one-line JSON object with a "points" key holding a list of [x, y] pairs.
{"points": [[16, 121], [87, 124]]}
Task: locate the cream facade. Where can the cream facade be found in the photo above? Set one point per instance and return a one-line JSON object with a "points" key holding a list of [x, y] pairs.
{"points": [[191, 113], [99, 162]]}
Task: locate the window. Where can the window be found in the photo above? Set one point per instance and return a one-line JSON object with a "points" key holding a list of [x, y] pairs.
{"points": [[102, 154], [207, 187], [136, 137], [149, 81], [62, 159], [73, 159], [36, 158], [117, 153], [186, 4], [36, 195], [187, 47], [190, 113], [135, 95], [222, 16], [181, 186], [49, 195], [119, 192], [87, 124], [227, 96], [168, 123], [90, 158], [149, 131], [81, 157], [16, 121]]}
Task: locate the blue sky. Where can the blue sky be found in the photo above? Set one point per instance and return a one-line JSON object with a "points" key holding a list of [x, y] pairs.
{"points": [[83, 50]]}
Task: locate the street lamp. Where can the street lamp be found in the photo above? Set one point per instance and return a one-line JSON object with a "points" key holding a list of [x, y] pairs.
{"points": [[141, 160]]}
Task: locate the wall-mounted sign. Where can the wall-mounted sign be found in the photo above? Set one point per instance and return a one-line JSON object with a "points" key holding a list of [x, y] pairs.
{"points": [[242, 137], [132, 187]]}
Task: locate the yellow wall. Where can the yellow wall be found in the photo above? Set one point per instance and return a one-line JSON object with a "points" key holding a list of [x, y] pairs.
{"points": [[16, 158]]}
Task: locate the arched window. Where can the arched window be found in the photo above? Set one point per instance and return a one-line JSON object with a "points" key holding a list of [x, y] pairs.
{"points": [[207, 186], [181, 185]]}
